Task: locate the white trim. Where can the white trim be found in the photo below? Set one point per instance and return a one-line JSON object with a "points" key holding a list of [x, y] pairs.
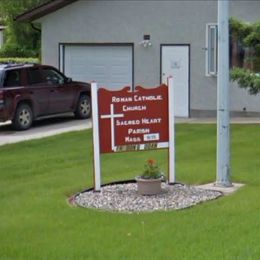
{"points": [[96, 146], [171, 131]]}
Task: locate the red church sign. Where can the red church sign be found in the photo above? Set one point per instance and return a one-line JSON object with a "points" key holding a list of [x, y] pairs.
{"points": [[130, 121]]}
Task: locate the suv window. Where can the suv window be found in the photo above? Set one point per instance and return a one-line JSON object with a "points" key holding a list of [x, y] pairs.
{"points": [[12, 78], [52, 76], [1, 78], [34, 76]]}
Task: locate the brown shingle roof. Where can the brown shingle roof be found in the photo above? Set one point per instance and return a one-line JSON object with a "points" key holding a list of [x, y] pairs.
{"points": [[43, 9]]}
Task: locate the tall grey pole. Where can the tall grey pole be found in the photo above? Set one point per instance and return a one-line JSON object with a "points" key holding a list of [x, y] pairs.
{"points": [[223, 119]]}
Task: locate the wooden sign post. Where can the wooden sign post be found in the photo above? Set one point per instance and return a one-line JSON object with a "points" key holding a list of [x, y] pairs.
{"points": [[132, 121]]}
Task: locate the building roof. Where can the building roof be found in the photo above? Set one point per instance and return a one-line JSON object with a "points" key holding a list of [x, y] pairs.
{"points": [[43, 9]]}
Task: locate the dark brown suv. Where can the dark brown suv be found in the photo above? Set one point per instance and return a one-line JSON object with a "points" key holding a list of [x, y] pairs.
{"points": [[31, 91]]}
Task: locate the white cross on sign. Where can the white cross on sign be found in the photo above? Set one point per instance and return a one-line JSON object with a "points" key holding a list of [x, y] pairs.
{"points": [[112, 116]]}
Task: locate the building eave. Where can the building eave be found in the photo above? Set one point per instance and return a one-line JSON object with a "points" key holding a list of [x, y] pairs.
{"points": [[42, 10]]}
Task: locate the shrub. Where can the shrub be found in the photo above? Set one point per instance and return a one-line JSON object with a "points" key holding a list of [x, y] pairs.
{"points": [[19, 60], [11, 50], [246, 79]]}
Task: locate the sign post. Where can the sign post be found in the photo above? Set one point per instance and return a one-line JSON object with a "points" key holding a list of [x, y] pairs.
{"points": [[171, 178], [96, 146], [126, 121]]}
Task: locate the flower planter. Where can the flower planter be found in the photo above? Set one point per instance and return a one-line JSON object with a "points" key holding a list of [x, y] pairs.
{"points": [[148, 186]]}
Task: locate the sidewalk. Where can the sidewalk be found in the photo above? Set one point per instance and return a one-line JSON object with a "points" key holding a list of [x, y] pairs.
{"points": [[8, 136], [209, 120]]}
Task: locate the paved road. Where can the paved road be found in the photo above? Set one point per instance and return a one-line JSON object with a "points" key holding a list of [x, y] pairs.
{"points": [[65, 123], [43, 128]]}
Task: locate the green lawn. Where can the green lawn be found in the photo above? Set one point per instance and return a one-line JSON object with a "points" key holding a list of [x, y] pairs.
{"points": [[37, 177]]}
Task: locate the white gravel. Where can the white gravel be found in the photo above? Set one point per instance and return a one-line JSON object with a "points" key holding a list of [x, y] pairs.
{"points": [[124, 198]]}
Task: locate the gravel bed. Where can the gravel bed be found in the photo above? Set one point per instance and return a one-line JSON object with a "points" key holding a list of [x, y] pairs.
{"points": [[124, 198]]}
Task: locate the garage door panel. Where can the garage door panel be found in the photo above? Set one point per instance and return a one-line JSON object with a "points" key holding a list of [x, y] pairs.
{"points": [[110, 66]]}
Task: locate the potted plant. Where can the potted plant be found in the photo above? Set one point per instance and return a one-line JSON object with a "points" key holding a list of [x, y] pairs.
{"points": [[149, 183]]}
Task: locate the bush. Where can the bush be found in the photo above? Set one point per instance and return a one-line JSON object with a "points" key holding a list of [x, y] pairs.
{"points": [[246, 79], [19, 60], [16, 51]]}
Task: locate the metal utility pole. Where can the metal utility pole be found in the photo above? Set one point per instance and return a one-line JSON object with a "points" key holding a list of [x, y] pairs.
{"points": [[223, 119]]}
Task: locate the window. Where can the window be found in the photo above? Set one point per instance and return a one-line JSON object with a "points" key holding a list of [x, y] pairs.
{"points": [[211, 49], [12, 78], [1, 77], [34, 76], [52, 76]]}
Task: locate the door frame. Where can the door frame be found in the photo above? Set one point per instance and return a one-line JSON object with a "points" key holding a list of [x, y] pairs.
{"points": [[173, 45], [62, 47]]}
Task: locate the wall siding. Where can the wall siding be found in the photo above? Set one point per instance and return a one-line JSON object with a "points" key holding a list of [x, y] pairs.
{"points": [[168, 22]]}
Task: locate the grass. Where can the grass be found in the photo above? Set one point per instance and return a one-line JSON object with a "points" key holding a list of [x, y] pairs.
{"points": [[36, 222]]}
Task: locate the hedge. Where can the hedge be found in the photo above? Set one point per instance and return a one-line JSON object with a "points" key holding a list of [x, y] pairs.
{"points": [[19, 60]]}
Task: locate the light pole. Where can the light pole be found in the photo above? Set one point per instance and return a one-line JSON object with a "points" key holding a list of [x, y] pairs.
{"points": [[223, 119]]}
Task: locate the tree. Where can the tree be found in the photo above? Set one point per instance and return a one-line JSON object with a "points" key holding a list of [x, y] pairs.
{"points": [[252, 41], [238, 31], [21, 39], [248, 34], [246, 79]]}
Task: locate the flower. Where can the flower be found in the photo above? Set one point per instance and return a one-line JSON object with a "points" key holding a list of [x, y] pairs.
{"points": [[151, 170]]}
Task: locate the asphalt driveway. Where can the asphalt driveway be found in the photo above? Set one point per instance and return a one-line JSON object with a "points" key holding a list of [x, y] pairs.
{"points": [[42, 128]]}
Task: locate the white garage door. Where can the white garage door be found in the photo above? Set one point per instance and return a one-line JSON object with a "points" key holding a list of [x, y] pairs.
{"points": [[109, 66]]}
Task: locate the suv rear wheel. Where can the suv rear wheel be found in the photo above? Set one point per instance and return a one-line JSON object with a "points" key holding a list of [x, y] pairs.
{"points": [[83, 107], [23, 117]]}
